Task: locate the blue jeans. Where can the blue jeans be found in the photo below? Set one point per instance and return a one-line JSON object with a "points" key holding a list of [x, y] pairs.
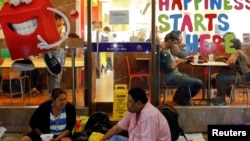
{"points": [[186, 80], [222, 81], [118, 138]]}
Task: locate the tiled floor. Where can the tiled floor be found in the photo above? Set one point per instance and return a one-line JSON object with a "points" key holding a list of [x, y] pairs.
{"points": [[16, 137], [104, 90], [11, 137]]}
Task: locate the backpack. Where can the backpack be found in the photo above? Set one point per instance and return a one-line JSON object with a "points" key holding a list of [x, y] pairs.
{"points": [[98, 122], [181, 96], [171, 115]]}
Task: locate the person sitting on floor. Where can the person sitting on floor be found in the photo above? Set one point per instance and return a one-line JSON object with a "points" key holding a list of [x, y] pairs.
{"points": [[141, 125], [55, 116]]}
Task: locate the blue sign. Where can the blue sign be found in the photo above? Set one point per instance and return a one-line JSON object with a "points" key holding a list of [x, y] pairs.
{"points": [[121, 47]]}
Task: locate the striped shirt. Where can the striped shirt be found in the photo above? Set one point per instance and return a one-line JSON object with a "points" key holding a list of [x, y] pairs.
{"points": [[57, 124]]}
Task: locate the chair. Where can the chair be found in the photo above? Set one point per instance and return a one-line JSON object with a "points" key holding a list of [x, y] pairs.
{"points": [[166, 87], [14, 73], [134, 75], [10, 75], [4, 54], [245, 88]]}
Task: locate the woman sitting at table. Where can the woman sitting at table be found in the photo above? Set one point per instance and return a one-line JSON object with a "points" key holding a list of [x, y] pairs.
{"points": [[229, 75], [172, 76]]}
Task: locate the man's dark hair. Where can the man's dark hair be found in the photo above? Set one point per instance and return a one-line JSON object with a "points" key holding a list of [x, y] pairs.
{"points": [[57, 16], [73, 35], [106, 28], [177, 32], [171, 36], [138, 94]]}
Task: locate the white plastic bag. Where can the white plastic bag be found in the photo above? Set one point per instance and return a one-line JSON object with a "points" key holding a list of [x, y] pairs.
{"points": [[2, 131]]}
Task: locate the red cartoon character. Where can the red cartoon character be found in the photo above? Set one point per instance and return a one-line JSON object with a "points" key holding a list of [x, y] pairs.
{"points": [[29, 29]]}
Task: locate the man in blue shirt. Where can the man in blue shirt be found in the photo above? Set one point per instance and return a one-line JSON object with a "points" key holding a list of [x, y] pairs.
{"points": [[169, 66]]}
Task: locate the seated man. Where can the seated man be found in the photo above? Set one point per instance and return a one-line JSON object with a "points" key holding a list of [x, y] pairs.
{"points": [[141, 125], [171, 74]]}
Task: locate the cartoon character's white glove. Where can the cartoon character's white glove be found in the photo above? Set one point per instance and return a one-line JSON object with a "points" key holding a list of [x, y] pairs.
{"points": [[43, 44]]}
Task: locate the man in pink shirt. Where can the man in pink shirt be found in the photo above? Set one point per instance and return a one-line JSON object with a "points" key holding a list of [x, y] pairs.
{"points": [[143, 121]]}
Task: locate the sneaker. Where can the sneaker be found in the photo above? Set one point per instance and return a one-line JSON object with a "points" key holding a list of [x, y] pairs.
{"points": [[218, 101], [53, 65], [222, 103]]}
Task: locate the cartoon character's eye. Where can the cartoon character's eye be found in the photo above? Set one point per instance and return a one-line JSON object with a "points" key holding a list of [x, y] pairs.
{"points": [[26, 1], [15, 2]]}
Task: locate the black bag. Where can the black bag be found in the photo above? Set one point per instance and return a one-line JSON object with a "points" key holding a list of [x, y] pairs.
{"points": [[98, 122], [181, 96], [171, 115]]}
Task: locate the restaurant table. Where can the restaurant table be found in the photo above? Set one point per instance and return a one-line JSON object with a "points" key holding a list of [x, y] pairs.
{"points": [[209, 65]]}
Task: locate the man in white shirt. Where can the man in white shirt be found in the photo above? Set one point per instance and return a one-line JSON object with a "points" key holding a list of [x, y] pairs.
{"points": [[95, 33]]}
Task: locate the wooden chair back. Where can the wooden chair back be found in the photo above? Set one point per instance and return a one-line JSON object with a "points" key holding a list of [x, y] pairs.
{"points": [[8, 74]]}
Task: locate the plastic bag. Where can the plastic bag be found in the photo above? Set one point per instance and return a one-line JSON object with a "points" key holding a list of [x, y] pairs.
{"points": [[95, 136], [80, 123]]}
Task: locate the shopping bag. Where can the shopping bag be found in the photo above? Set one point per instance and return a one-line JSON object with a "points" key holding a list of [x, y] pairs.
{"points": [[80, 123], [95, 136]]}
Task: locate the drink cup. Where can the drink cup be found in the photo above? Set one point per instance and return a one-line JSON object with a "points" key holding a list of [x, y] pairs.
{"points": [[210, 57], [196, 59]]}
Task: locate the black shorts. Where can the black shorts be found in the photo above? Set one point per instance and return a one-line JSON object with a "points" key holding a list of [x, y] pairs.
{"points": [[34, 136]]}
